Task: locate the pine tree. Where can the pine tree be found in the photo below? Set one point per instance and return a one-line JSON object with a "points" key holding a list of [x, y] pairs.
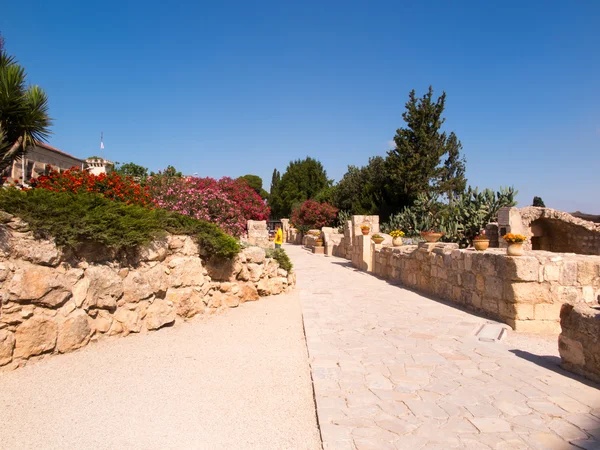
{"points": [[537, 201], [274, 200], [425, 160]]}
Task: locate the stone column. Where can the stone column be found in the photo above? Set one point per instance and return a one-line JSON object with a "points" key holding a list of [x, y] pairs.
{"points": [[362, 256], [285, 229]]}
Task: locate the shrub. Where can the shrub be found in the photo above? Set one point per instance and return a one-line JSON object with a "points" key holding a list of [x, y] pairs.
{"points": [[227, 203], [112, 186], [279, 255], [312, 214], [72, 219]]}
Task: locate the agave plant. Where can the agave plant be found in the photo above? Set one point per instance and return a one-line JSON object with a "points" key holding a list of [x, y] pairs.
{"points": [[24, 115]]}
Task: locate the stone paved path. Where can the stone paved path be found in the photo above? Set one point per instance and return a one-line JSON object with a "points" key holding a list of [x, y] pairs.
{"points": [[395, 370]]}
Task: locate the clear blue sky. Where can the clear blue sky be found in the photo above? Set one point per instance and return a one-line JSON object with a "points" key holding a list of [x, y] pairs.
{"points": [[229, 88]]}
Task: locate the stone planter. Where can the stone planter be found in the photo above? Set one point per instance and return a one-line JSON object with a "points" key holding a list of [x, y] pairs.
{"points": [[397, 241], [481, 244], [431, 236], [515, 249], [378, 240]]}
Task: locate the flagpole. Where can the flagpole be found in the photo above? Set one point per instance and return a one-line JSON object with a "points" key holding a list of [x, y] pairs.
{"points": [[101, 143]]}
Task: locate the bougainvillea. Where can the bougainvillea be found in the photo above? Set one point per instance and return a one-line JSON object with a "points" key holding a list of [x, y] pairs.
{"points": [[111, 186], [226, 202], [312, 214]]}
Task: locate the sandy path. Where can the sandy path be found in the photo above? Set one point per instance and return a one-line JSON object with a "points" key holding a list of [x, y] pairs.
{"points": [[239, 380]]}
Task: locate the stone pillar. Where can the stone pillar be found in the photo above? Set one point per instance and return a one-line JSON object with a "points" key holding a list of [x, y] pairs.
{"points": [[258, 234], [509, 221], [357, 221], [362, 256], [285, 228]]}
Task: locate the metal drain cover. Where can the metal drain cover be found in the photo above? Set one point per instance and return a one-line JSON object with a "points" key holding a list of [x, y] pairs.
{"points": [[490, 332]]}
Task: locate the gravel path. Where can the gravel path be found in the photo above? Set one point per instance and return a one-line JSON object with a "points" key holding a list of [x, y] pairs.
{"points": [[239, 380]]}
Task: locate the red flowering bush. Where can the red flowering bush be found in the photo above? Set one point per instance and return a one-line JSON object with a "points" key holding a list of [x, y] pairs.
{"points": [[225, 202], [312, 214], [111, 186]]}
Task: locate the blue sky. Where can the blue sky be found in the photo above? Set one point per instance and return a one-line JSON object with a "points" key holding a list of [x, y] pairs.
{"points": [[229, 88]]}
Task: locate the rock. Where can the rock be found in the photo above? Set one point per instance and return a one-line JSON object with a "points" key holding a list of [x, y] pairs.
{"points": [[115, 328], [102, 322], [136, 287], [183, 245], [282, 272], [255, 271], [248, 293], [7, 344], [291, 278], [73, 332], [231, 301], [223, 269], [35, 336], [158, 280], [80, 291], [225, 287], [106, 287], [255, 255], [4, 271], [37, 251], [216, 301], [159, 313], [187, 301], [129, 320], [155, 251], [244, 274], [53, 299], [271, 267], [271, 286], [31, 282], [186, 271]]}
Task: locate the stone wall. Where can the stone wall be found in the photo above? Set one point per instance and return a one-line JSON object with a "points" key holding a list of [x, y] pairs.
{"points": [[52, 302], [258, 233], [550, 230], [525, 292], [579, 341]]}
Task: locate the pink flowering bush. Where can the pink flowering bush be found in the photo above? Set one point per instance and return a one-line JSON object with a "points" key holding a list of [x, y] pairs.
{"points": [[312, 214], [225, 202]]}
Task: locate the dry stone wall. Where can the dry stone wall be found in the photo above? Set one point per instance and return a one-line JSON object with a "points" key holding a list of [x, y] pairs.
{"points": [[525, 292], [51, 302]]}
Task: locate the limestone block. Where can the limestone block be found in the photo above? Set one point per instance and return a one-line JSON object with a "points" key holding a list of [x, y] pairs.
{"points": [[73, 332], [129, 320], [528, 292], [255, 271], [159, 314], [494, 287], [36, 251], [102, 322], [158, 279], [155, 251], [571, 351], [536, 326], [255, 255], [105, 287], [7, 344], [271, 286], [230, 300], [31, 283], [248, 293], [187, 301], [587, 272], [519, 311], [551, 272], [547, 311], [186, 271], [523, 268], [568, 274], [224, 269], [136, 287], [35, 336]]}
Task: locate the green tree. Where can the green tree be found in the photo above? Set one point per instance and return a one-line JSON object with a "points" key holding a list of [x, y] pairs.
{"points": [[537, 201], [364, 190], [274, 200], [130, 169], [425, 160], [302, 180], [256, 183], [24, 115], [170, 171]]}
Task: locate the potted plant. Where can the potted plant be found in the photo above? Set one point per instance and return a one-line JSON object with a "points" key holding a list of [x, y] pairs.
{"points": [[431, 236], [397, 236], [481, 242], [377, 238], [365, 229], [515, 244], [319, 242]]}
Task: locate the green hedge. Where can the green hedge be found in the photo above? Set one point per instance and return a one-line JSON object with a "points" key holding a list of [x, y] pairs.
{"points": [[279, 255], [75, 218]]}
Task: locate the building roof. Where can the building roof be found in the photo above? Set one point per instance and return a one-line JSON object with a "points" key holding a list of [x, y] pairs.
{"points": [[55, 150]]}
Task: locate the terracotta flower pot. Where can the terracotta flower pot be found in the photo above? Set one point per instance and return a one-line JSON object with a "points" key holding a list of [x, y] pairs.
{"points": [[397, 241], [515, 249], [431, 236], [378, 240], [319, 243], [365, 231], [481, 244]]}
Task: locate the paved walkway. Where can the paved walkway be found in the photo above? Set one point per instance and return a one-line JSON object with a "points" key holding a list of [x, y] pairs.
{"points": [[239, 380], [395, 370]]}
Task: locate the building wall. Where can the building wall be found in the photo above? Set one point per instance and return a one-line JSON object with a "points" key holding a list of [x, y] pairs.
{"points": [[37, 160]]}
